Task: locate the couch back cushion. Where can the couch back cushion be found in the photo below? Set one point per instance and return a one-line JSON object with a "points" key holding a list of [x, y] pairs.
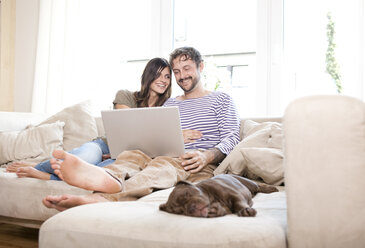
{"points": [[16, 121], [259, 154]]}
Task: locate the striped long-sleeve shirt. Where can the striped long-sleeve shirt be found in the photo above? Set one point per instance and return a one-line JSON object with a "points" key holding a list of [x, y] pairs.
{"points": [[215, 115]]}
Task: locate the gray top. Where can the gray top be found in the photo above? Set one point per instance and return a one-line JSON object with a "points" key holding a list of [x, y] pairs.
{"points": [[125, 97]]}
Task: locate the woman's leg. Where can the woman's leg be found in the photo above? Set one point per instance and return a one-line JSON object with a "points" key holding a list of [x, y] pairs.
{"points": [[13, 167], [91, 152], [79, 173], [106, 162]]}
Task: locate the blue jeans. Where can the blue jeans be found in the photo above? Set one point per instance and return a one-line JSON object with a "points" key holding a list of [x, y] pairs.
{"points": [[90, 152]]}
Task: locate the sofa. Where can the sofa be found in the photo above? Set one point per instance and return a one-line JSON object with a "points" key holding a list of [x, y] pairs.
{"points": [[320, 146]]}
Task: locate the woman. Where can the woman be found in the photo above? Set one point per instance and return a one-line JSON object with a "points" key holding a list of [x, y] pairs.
{"points": [[155, 90]]}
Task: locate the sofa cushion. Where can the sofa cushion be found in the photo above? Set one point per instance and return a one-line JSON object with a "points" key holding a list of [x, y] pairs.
{"points": [[247, 157], [80, 125], [22, 197], [324, 171], [266, 163], [32, 144], [141, 224]]}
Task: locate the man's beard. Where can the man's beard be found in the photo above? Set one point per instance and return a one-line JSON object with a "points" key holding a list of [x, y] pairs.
{"points": [[194, 82]]}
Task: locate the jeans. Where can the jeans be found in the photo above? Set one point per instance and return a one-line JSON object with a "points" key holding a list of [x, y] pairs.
{"points": [[90, 152]]}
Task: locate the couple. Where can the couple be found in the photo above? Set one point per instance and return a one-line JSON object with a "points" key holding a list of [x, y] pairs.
{"points": [[134, 174], [155, 90]]}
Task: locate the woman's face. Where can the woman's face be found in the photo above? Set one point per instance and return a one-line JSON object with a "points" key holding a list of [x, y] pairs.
{"points": [[160, 84]]}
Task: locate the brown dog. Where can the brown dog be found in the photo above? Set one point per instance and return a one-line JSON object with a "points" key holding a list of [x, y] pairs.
{"points": [[217, 196]]}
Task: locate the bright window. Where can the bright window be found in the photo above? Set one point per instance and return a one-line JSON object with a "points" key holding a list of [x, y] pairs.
{"points": [[225, 33], [96, 49]]}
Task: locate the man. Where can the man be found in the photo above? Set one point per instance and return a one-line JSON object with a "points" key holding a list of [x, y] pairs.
{"points": [[134, 174]]}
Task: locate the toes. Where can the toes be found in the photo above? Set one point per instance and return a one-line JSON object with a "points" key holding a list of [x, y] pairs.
{"points": [[59, 154], [58, 173], [55, 164]]}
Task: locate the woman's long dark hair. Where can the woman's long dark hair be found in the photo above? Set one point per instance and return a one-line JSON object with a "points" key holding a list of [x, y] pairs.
{"points": [[151, 72]]}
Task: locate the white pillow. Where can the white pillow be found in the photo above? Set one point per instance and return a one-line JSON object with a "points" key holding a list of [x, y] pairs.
{"points": [[33, 144], [80, 125]]}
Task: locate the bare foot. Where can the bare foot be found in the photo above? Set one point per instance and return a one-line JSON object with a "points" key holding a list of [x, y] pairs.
{"points": [[63, 202], [13, 167], [79, 173], [32, 172]]}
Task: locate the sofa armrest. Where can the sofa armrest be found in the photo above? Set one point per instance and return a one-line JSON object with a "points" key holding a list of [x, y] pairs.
{"points": [[324, 171]]}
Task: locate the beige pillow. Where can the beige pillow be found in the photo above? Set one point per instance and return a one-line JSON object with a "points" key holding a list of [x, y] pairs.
{"points": [[255, 135], [35, 143], [265, 163], [273, 131], [80, 126]]}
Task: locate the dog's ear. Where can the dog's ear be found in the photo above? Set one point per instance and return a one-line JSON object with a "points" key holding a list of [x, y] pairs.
{"points": [[163, 207]]}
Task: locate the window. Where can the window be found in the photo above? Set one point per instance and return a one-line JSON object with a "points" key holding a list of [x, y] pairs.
{"points": [[96, 49], [225, 32], [306, 45]]}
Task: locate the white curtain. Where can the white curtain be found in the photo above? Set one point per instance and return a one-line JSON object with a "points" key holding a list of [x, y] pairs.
{"points": [[83, 46], [58, 24]]}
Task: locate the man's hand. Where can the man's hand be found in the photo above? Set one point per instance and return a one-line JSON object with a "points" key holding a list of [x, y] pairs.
{"points": [[191, 135], [195, 161]]}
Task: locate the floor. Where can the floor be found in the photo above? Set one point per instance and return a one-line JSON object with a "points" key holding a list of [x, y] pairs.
{"points": [[12, 236]]}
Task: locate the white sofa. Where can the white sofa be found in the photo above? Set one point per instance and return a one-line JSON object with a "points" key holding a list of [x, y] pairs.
{"points": [[324, 151]]}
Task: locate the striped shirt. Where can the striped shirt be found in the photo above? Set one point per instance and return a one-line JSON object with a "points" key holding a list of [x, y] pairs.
{"points": [[215, 115]]}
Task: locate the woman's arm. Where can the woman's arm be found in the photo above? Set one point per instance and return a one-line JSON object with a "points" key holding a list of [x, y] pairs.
{"points": [[120, 106]]}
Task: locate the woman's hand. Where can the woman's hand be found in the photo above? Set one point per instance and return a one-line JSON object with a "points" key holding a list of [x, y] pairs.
{"points": [[191, 135], [106, 156]]}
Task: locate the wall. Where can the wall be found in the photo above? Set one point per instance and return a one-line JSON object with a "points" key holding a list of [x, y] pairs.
{"points": [[19, 30], [7, 51], [27, 13]]}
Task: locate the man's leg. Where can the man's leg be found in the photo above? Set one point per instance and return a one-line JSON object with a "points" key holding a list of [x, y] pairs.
{"points": [[158, 173], [79, 173], [63, 202]]}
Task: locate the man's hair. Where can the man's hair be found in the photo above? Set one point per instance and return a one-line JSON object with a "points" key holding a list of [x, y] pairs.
{"points": [[186, 53]]}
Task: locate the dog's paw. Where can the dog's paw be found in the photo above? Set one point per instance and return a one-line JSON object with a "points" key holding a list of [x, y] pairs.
{"points": [[248, 212], [265, 188]]}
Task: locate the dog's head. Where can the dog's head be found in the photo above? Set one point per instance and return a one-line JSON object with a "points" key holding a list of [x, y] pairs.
{"points": [[187, 199]]}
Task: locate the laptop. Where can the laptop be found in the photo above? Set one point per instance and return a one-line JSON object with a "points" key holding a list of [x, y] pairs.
{"points": [[155, 131]]}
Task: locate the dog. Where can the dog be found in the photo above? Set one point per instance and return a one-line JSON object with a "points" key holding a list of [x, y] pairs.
{"points": [[216, 196]]}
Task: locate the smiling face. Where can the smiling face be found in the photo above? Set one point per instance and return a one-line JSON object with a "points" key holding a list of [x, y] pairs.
{"points": [[162, 82], [187, 73]]}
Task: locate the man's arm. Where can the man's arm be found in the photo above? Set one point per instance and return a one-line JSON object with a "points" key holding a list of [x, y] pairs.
{"points": [[228, 125]]}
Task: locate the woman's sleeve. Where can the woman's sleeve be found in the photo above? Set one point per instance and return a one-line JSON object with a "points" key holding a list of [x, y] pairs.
{"points": [[125, 97]]}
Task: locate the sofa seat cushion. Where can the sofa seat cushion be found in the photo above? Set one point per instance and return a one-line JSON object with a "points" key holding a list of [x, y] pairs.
{"points": [[22, 197], [141, 224]]}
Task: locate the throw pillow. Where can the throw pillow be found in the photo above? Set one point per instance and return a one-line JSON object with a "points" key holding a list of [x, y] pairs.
{"points": [[80, 125], [35, 143], [265, 163], [255, 135], [272, 129]]}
